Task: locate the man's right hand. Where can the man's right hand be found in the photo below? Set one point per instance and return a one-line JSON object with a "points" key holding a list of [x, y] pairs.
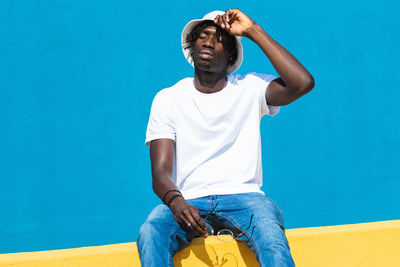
{"points": [[188, 216]]}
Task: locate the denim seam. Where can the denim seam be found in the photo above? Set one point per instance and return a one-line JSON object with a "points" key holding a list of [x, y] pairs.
{"points": [[241, 229], [171, 257]]}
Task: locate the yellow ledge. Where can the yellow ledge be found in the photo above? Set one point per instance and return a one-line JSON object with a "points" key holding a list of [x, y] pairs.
{"points": [[365, 244]]}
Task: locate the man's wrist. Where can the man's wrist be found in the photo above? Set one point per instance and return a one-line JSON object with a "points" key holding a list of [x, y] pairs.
{"points": [[173, 198], [253, 31], [167, 193], [175, 201]]}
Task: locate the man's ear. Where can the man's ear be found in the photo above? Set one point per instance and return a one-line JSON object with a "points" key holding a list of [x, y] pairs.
{"points": [[230, 60]]}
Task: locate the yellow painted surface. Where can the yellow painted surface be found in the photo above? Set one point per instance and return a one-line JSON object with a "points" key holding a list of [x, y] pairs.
{"points": [[125, 254], [213, 252], [368, 244]]}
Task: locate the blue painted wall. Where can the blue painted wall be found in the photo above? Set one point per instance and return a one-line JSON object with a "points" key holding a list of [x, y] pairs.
{"points": [[76, 83]]}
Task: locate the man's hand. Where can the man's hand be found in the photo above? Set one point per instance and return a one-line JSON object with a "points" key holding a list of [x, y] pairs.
{"points": [[188, 216], [234, 22]]}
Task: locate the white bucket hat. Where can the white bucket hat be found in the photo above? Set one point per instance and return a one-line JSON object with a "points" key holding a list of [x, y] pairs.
{"points": [[193, 23]]}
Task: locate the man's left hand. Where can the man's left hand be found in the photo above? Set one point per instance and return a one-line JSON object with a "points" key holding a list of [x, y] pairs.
{"points": [[234, 22]]}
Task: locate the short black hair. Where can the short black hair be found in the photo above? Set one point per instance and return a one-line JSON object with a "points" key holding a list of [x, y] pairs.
{"points": [[231, 45]]}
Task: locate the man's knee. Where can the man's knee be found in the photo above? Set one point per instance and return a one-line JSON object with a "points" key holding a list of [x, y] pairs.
{"points": [[146, 233], [273, 247], [270, 235], [276, 253], [152, 228]]}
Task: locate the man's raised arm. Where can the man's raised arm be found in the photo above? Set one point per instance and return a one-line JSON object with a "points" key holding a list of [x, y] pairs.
{"points": [[294, 81]]}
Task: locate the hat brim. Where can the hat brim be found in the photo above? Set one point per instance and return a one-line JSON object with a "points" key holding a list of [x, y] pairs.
{"points": [[188, 29]]}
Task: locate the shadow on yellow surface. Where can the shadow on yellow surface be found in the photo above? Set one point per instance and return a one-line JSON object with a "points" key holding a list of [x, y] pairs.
{"points": [[214, 252], [364, 245]]}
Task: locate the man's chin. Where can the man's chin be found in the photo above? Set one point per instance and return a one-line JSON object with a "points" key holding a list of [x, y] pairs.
{"points": [[204, 65]]}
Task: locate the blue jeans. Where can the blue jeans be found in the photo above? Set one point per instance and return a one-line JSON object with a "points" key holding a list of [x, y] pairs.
{"points": [[160, 237]]}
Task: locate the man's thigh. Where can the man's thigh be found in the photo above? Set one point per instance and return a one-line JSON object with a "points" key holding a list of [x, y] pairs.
{"points": [[250, 206]]}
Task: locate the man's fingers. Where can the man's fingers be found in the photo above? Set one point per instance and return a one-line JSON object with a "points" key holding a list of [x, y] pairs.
{"points": [[227, 14], [227, 17], [217, 21], [201, 223], [196, 223], [225, 21], [197, 228], [183, 221], [202, 228], [233, 17], [221, 22], [234, 12], [188, 217]]}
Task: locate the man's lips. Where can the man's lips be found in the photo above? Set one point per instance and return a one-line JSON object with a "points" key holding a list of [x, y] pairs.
{"points": [[206, 54]]}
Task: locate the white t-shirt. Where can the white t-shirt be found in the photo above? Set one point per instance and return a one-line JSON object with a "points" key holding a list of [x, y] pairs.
{"points": [[217, 136]]}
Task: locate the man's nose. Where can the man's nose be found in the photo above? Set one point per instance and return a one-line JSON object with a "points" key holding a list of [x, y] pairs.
{"points": [[209, 42]]}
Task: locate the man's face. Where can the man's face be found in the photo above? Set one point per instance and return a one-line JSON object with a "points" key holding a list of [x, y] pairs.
{"points": [[209, 53]]}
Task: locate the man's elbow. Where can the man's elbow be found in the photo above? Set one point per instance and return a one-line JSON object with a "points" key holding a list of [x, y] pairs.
{"points": [[306, 86], [310, 83]]}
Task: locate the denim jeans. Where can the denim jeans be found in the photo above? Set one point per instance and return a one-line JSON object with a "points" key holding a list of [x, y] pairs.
{"points": [[160, 237]]}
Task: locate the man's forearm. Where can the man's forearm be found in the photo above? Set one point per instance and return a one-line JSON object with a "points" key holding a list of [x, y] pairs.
{"points": [[292, 73], [164, 187], [162, 153]]}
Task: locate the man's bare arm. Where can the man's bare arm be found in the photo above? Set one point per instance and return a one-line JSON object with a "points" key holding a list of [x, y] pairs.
{"points": [[294, 82], [162, 154]]}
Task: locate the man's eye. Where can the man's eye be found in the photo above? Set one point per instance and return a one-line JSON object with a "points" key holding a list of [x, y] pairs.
{"points": [[202, 36]]}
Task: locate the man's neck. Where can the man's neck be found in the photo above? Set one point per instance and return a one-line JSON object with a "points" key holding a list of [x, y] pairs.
{"points": [[209, 82]]}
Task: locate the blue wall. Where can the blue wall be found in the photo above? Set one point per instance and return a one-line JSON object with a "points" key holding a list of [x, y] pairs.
{"points": [[76, 83]]}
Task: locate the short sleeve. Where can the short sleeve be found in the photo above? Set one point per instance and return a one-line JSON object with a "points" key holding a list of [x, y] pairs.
{"points": [[261, 83], [161, 122]]}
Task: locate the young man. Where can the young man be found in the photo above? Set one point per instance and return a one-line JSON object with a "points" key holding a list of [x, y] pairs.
{"points": [[205, 145]]}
